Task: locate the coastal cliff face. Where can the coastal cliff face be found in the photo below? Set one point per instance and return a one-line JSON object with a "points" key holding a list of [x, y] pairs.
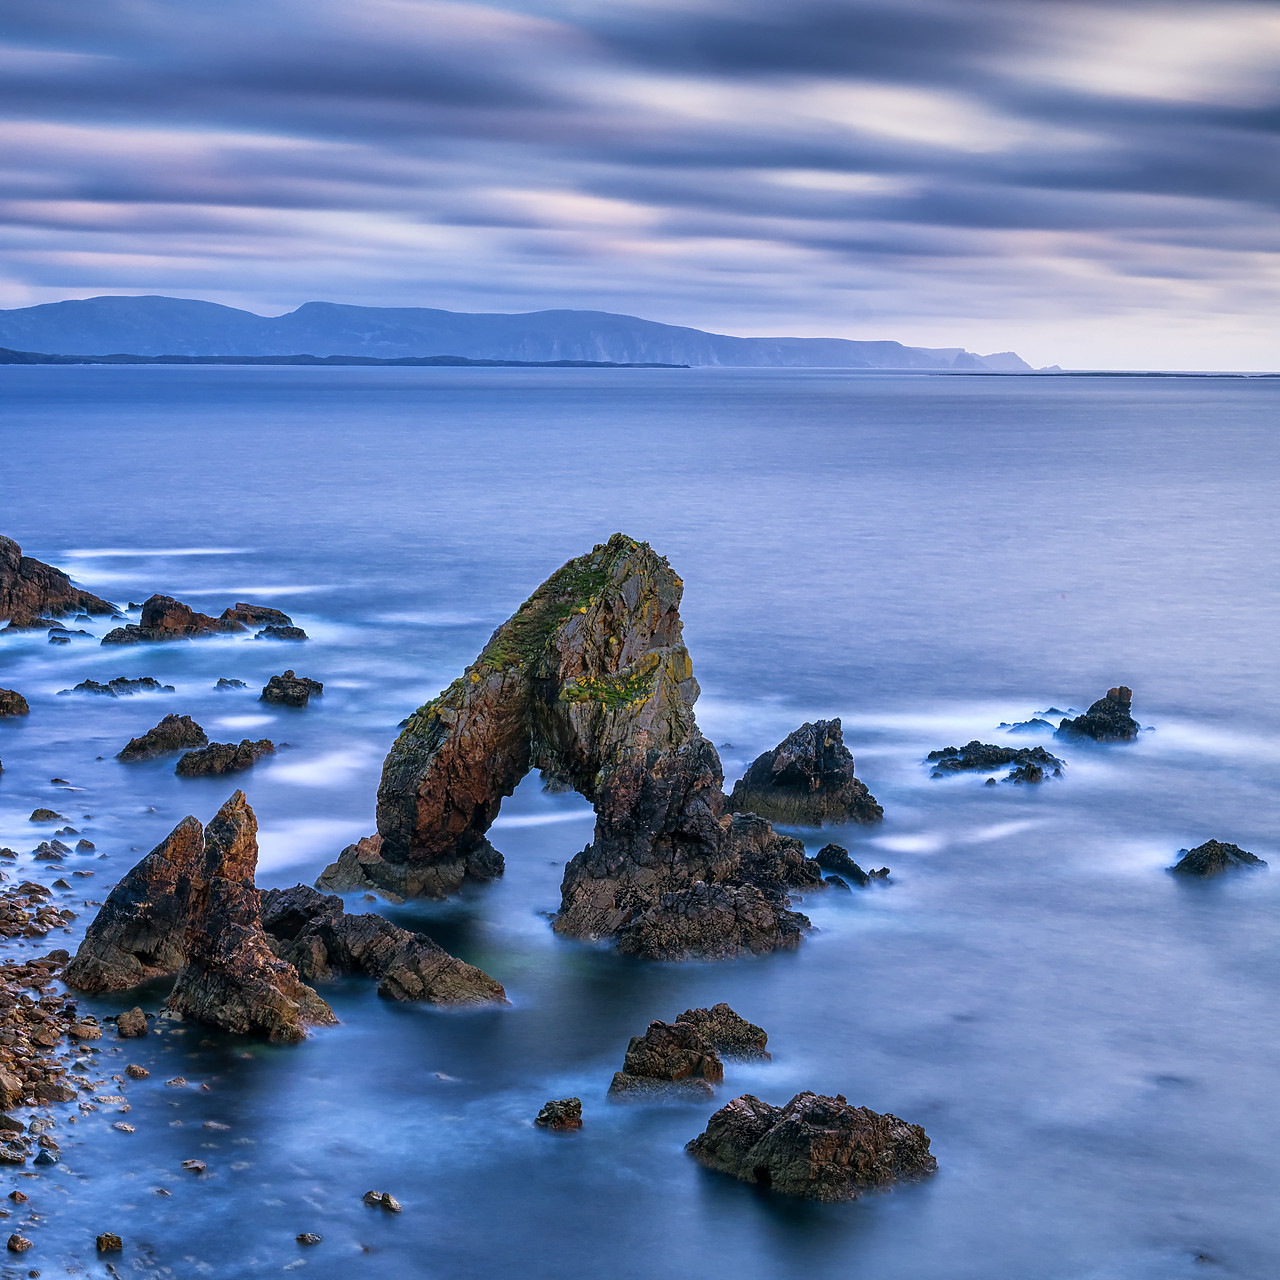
{"points": [[32, 589], [589, 680]]}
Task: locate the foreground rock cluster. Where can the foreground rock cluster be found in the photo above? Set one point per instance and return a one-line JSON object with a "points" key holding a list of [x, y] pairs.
{"points": [[164, 618]]}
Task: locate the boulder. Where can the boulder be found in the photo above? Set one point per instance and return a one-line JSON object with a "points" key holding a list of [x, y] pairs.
{"points": [[313, 932], [164, 618], [31, 591], [565, 1113], [120, 687], [669, 1053], [1213, 858], [1034, 725], [45, 815], [173, 733], [728, 1034], [256, 615], [837, 859], [281, 633], [290, 690], [131, 1024], [223, 757], [1107, 720], [806, 780], [224, 685], [1030, 762], [817, 1147], [12, 703], [230, 977], [591, 681]]}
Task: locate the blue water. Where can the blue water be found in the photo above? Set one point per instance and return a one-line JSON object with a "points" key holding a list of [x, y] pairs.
{"points": [[1090, 1044]]}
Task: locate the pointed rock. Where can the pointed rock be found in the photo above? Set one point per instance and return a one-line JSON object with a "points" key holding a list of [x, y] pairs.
{"points": [[1107, 720], [29, 588], [173, 733]]}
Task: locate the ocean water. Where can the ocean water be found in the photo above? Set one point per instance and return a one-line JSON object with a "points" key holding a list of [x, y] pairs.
{"points": [[1089, 1043]]}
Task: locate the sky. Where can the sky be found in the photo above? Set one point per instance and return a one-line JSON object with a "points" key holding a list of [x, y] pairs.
{"points": [[1091, 185]]}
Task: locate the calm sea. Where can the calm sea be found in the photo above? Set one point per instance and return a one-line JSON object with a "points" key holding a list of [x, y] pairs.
{"points": [[1090, 1044]]}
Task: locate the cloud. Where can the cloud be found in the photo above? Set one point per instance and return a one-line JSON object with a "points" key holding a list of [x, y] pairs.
{"points": [[1088, 183]]}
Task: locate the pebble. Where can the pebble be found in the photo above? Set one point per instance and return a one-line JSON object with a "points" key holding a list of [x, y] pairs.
{"points": [[178, 1082], [18, 1197], [308, 1237], [109, 1242], [383, 1198], [122, 1127], [194, 1166]]}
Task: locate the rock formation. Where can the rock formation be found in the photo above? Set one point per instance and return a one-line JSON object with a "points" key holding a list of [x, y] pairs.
{"points": [[983, 757], [256, 615], [806, 780], [223, 757], [12, 703], [226, 685], [173, 733], [669, 1053], [316, 935], [817, 1147], [290, 690], [281, 633], [591, 681], [31, 590], [1108, 720], [120, 687], [164, 618], [562, 1113], [1213, 858], [727, 1033], [837, 859]]}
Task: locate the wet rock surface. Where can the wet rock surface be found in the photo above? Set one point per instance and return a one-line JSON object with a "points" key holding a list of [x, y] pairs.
{"points": [[816, 1147], [226, 685], [173, 733], [120, 687], [291, 691], [836, 858], [589, 680], [164, 618], [1107, 720], [223, 757], [12, 703], [34, 592], [256, 615], [669, 1053], [1030, 762], [562, 1113], [281, 633], [131, 1024], [320, 938], [727, 1033], [1213, 858], [806, 780]]}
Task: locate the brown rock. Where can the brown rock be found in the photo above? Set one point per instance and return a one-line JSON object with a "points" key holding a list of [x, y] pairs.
{"points": [[12, 703], [17, 1243], [45, 815], [1107, 720], [173, 733], [164, 618], [817, 1147], [109, 1242], [381, 1200], [12, 1090], [290, 690], [669, 1053], [135, 1072], [29, 587], [727, 1033], [256, 615], [565, 1113], [131, 1024], [223, 757]]}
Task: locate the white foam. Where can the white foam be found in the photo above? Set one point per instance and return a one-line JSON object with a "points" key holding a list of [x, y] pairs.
{"points": [[919, 842], [998, 830], [307, 839], [242, 722], [320, 771], [90, 553], [541, 819]]}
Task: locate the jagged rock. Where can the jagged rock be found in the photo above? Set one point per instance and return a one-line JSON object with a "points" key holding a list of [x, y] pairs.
{"points": [[50, 851], [120, 687], [45, 815], [817, 1147], [589, 680], [135, 1072], [29, 587], [1107, 720], [223, 757], [669, 1053], [12, 703], [1035, 725], [381, 1200], [806, 780], [256, 615], [834, 858], [131, 1024], [29, 622], [1031, 762], [224, 685], [1213, 858], [164, 618], [173, 733], [835, 882], [564, 1113], [314, 933], [109, 1242], [290, 690], [230, 978], [308, 1237], [281, 633], [727, 1033]]}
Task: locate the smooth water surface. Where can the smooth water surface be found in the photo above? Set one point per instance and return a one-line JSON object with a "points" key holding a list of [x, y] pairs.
{"points": [[1090, 1044]]}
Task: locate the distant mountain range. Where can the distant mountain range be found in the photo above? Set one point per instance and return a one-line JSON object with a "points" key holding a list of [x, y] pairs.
{"points": [[158, 326]]}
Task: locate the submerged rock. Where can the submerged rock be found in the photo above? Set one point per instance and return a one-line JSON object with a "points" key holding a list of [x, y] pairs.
{"points": [[173, 733], [223, 757], [313, 932], [290, 690], [164, 618], [836, 858], [12, 703], [983, 757], [120, 687], [564, 1113], [817, 1147], [806, 780], [727, 1033], [256, 615], [1213, 858], [34, 592], [224, 685], [1107, 720], [1035, 725], [591, 681], [669, 1053]]}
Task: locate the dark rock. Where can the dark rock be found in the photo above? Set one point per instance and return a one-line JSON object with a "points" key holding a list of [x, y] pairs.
{"points": [[834, 858], [224, 684], [381, 1200], [281, 633], [806, 780], [308, 1237], [18, 1244], [194, 1166], [85, 846], [313, 932], [45, 815], [1213, 858], [50, 851], [230, 978], [173, 733], [256, 615], [566, 1113], [135, 1072], [164, 618], [290, 690], [29, 587], [1031, 762], [47, 1157], [817, 1147], [29, 622], [835, 882], [59, 639], [120, 687], [1107, 720], [1026, 726], [727, 1033], [223, 757], [131, 1024], [109, 1242], [669, 1053], [12, 703], [590, 679]]}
